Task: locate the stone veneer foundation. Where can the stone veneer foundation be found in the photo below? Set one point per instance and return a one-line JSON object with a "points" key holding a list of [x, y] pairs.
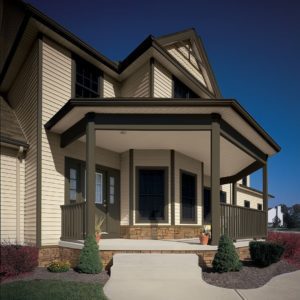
{"points": [[160, 232], [48, 254]]}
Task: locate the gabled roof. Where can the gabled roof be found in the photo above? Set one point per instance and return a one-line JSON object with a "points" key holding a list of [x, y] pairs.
{"points": [[10, 130]]}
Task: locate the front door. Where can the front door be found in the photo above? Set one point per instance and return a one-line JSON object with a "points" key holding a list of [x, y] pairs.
{"points": [[107, 201]]}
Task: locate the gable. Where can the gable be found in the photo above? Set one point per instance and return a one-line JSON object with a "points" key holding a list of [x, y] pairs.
{"points": [[187, 49]]}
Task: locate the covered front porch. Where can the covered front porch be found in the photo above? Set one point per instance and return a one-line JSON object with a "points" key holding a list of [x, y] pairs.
{"points": [[221, 144]]}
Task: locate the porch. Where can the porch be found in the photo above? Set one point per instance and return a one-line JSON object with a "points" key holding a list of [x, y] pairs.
{"points": [[217, 133]]}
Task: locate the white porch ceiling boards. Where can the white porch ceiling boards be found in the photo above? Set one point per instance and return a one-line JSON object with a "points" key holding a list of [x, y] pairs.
{"points": [[195, 144]]}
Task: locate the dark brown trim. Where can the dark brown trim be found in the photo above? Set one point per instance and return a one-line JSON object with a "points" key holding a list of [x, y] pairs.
{"points": [[202, 191], [215, 179], [247, 171], [183, 221], [265, 195], [39, 146], [151, 77], [131, 183], [138, 220], [172, 182], [73, 133], [14, 47], [14, 142], [234, 193], [132, 102]]}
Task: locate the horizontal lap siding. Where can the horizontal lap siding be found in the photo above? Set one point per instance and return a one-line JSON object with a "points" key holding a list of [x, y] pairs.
{"points": [[185, 163], [162, 82], [56, 91], [155, 158], [179, 54], [23, 98], [111, 88], [137, 85], [254, 200], [227, 188]]}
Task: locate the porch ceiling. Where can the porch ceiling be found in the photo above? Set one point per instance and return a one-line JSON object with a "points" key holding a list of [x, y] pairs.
{"points": [[195, 144]]}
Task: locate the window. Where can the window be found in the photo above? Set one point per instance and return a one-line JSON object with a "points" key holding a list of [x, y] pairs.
{"points": [[87, 80], [247, 204], [99, 189], [222, 197], [182, 91], [244, 181], [259, 206], [73, 184], [151, 194], [188, 197], [111, 190]]}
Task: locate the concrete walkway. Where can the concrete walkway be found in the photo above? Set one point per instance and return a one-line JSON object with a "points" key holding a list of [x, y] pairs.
{"points": [[178, 276]]}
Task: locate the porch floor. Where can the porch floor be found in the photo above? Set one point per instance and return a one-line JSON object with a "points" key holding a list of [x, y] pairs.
{"points": [[151, 245]]}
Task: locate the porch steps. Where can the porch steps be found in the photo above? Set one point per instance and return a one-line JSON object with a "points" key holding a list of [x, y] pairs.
{"points": [[160, 276]]}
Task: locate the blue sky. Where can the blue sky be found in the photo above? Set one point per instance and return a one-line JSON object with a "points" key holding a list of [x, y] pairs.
{"points": [[253, 47]]}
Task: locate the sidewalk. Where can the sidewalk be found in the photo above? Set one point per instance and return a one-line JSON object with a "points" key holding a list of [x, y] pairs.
{"points": [[178, 276]]}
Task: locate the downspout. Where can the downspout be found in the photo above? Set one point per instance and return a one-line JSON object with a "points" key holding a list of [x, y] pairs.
{"points": [[20, 156]]}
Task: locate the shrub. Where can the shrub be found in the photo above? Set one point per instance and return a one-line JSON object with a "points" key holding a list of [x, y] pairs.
{"points": [[265, 253], [89, 260], [57, 266], [291, 244], [226, 259], [17, 259]]}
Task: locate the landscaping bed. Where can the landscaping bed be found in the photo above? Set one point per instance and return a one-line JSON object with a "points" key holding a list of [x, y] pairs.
{"points": [[250, 276]]}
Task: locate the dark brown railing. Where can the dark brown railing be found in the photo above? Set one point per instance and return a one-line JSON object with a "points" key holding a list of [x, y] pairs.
{"points": [[73, 221], [241, 222]]}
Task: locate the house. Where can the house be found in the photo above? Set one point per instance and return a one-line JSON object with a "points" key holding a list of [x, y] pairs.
{"points": [[148, 145], [273, 213]]}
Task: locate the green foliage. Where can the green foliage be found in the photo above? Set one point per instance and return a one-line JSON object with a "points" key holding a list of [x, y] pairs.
{"points": [[276, 222], [226, 259], [89, 260], [57, 266], [265, 253]]}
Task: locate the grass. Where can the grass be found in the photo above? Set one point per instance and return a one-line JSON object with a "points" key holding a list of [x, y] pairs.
{"points": [[51, 289]]}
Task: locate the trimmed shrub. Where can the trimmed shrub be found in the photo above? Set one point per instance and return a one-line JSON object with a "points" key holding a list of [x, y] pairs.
{"points": [[226, 259], [265, 253], [89, 260], [57, 266], [17, 259]]}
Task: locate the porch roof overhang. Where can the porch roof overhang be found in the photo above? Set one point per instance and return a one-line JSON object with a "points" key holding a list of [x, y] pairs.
{"points": [[178, 124]]}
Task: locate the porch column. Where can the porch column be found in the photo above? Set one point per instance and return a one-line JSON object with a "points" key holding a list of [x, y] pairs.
{"points": [[90, 174], [215, 179], [234, 193], [265, 195]]}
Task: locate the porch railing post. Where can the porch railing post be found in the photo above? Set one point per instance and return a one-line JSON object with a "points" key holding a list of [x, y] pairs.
{"points": [[215, 179], [265, 196], [234, 193], [90, 173]]}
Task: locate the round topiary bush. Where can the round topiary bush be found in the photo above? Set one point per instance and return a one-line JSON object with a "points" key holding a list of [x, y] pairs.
{"points": [[226, 259], [89, 260]]}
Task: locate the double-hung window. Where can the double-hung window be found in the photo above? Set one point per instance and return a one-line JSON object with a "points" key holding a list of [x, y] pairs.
{"points": [[87, 80]]}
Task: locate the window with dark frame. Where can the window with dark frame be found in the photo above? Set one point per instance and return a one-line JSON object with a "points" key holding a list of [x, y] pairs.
{"points": [[86, 80], [182, 91], [244, 181], [151, 194], [188, 197], [247, 203], [259, 206]]}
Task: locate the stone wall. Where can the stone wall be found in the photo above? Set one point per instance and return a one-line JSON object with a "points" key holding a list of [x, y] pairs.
{"points": [[159, 232], [62, 253]]}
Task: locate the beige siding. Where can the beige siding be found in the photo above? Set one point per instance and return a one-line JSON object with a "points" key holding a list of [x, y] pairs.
{"points": [[185, 163], [23, 98], [254, 199], [152, 158], [111, 87], [227, 188], [137, 85], [180, 53], [162, 82], [12, 196], [125, 188]]}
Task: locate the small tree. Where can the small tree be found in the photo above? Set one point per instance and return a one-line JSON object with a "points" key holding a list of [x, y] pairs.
{"points": [[276, 222], [89, 260], [226, 259]]}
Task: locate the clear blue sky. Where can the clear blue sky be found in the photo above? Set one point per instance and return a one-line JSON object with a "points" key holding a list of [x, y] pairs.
{"points": [[253, 46]]}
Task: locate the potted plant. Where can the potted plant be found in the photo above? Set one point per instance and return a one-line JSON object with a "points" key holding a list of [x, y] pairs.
{"points": [[98, 231], [205, 235]]}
